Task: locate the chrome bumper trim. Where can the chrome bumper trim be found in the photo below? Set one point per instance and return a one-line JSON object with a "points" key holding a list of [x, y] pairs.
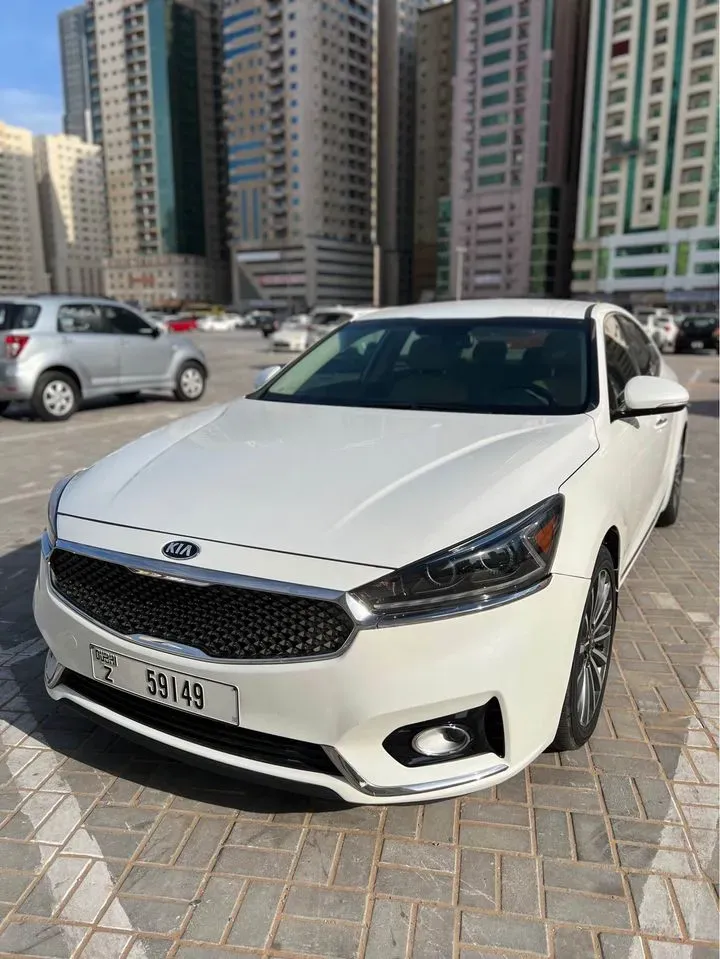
{"points": [[413, 789]]}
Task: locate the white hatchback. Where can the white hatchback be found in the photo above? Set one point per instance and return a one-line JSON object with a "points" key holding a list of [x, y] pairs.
{"points": [[476, 480]]}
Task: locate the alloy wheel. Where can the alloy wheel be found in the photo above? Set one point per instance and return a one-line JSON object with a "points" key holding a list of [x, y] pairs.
{"points": [[58, 398], [594, 649], [192, 382]]}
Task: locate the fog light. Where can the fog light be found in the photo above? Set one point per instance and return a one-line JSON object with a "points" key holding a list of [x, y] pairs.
{"points": [[445, 740], [53, 670]]}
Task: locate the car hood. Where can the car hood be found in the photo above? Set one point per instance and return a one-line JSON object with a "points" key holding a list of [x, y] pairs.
{"points": [[368, 486]]}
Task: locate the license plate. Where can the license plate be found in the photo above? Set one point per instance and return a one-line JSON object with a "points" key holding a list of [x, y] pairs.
{"points": [[202, 697], [697, 345]]}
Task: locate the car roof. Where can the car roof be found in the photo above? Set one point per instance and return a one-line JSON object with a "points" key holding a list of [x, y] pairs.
{"points": [[572, 311], [57, 298]]}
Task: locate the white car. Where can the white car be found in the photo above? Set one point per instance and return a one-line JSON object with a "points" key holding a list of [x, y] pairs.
{"points": [[476, 479], [299, 333], [219, 322], [292, 335]]}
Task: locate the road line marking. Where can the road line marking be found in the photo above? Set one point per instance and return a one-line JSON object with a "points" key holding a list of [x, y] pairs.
{"points": [[695, 376]]}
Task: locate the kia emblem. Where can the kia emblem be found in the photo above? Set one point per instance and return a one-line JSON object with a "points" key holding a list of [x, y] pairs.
{"points": [[180, 549]]}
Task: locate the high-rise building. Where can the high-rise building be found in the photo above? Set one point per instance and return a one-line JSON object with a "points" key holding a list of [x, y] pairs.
{"points": [[397, 22], [297, 87], [433, 140], [517, 120], [22, 261], [647, 225], [71, 183], [154, 68], [77, 120]]}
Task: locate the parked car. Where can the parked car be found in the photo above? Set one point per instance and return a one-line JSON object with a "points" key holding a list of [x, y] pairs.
{"points": [[218, 322], [267, 323], [426, 623], [292, 334], [698, 331], [297, 337], [59, 350], [661, 327], [182, 323]]}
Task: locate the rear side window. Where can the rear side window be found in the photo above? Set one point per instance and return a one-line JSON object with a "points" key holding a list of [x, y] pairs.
{"points": [[18, 316], [80, 318]]}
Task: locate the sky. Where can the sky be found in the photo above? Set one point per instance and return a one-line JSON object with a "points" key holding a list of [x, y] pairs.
{"points": [[30, 81]]}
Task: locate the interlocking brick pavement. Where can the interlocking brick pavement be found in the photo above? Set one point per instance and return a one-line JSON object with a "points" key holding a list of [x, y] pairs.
{"points": [[107, 851]]}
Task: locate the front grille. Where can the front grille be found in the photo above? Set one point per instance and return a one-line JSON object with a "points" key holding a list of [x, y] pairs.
{"points": [[248, 743], [224, 622]]}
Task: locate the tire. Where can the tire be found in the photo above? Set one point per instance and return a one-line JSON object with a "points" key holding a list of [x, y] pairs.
{"points": [[3, 406], [129, 397], [56, 397], [670, 514], [190, 382], [579, 715]]}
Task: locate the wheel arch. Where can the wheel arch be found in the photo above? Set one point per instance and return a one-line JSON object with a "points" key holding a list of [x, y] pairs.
{"points": [[67, 371]]}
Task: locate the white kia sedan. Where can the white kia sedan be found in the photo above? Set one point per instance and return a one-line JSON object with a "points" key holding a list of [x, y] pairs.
{"points": [[476, 480]]}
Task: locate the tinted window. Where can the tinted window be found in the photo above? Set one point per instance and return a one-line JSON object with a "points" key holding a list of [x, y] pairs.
{"points": [[700, 322], [643, 351], [621, 366], [123, 321], [523, 366], [18, 316], [80, 318]]}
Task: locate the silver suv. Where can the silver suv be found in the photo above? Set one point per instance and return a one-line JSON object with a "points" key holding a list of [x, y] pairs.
{"points": [[58, 350]]}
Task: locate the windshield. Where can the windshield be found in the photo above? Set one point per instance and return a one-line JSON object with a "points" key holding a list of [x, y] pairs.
{"points": [[523, 366], [18, 316], [701, 322]]}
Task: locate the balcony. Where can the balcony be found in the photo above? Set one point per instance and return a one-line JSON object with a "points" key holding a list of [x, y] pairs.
{"points": [[273, 11]]}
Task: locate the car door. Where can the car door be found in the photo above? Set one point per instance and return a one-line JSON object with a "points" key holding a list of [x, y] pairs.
{"points": [[659, 428], [632, 442], [90, 346], [145, 353]]}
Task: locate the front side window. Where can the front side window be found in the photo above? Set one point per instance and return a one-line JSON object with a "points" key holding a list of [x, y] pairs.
{"points": [[530, 366], [620, 366], [81, 318], [127, 322], [642, 350]]}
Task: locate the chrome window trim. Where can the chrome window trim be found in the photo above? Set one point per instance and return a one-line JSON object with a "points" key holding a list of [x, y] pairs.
{"points": [[198, 577]]}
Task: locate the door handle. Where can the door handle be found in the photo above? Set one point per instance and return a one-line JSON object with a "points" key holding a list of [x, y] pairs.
{"points": [[661, 423]]}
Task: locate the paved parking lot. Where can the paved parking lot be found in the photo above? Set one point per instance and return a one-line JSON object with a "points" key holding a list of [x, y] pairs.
{"points": [[107, 851]]}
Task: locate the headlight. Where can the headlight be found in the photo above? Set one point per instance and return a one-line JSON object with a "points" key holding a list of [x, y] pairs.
{"points": [[54, 501], [491, 568]]}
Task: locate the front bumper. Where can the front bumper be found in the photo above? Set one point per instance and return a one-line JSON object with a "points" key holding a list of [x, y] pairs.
{"points": [[519, 654]]}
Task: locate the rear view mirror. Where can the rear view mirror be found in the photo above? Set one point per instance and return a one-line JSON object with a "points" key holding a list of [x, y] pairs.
{"points": [[264, 376], [646, 395]]}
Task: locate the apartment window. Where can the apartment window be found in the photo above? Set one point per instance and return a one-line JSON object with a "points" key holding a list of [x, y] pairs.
{"points": [[493, 79], [615, 119], [653, 134], [692, 175], [497, 36], [494, 119], [696, 125], [611, 166], [493, 139], [662, 12], [622, 25], [701, 75], [692, 198], [610, 188], [650, 157], [492, 159], [621, 5], [495, 98], [648, 181], [706, 23], [686, 222], [494, 58], [617, 96], [704, 49], [608, 209], [491, 179], [620, 48], [657, 85], [658, 61], [495, 16], [654, 111], [661, 36], [694, 150]]}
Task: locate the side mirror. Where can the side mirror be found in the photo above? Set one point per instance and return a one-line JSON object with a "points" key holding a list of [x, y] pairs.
{"points": [[156, 331], [265, 375], [646, 395]]}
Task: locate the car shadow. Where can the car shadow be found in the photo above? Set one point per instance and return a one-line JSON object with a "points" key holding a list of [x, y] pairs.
{"points": [[26, 707], [22, 412]]}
